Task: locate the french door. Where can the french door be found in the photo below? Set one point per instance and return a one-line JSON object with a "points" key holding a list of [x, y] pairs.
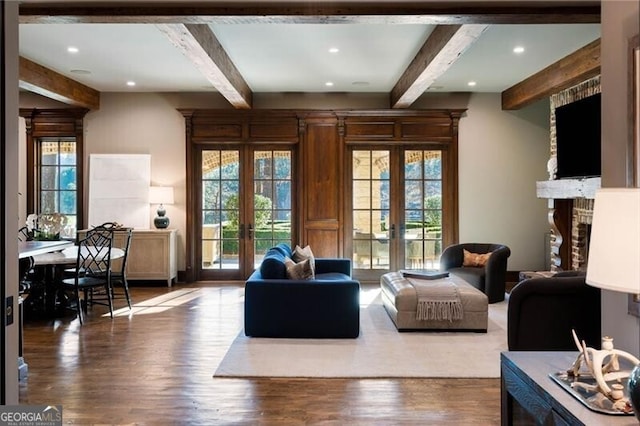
{"points": [[245, 202], [396, 209]]}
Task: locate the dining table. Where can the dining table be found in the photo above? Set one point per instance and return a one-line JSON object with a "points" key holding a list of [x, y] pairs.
{"points": [[31, 249], [35, 248]]}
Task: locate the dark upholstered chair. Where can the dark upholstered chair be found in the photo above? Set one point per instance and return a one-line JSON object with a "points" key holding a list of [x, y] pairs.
{"points": [[490, 279], [543, 311]]}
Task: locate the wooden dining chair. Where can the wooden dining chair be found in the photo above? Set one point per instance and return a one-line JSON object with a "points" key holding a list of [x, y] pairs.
{"points": [[119, 276], [122, 240], [92, 270]]}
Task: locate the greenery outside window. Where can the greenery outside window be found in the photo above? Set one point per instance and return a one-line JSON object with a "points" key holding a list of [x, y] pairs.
{"points": [[58, 178]]}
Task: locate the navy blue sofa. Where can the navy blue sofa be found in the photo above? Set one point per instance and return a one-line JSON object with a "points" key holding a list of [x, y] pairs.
{"points": [[325, 307]]}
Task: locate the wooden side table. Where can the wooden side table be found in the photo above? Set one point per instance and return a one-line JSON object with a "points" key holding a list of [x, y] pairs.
{"points": [[530, 396]]}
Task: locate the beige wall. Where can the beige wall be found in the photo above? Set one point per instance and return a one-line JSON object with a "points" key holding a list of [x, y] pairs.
{"points": [[502, 154], [619, 23]]}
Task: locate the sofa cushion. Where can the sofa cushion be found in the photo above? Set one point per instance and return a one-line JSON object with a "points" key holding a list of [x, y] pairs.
{"points": [[284, 249], [332, 276], [298, 271], [273, 266], [300, 254]]}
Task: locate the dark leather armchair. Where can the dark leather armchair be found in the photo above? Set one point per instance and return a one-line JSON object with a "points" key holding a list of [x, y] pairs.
{"points": [[490, 278], [543, 311]]}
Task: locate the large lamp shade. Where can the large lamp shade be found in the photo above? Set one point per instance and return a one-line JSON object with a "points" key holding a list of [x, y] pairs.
{"points": [[614, 248], [614, 254]]}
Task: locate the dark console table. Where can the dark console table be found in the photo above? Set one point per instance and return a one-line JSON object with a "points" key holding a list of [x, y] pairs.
{"points": [[530, 396]]}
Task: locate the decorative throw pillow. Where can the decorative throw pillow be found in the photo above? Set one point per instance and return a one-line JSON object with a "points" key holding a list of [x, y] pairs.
{"points": [[298, 271], [300, 254], [474, 259]]}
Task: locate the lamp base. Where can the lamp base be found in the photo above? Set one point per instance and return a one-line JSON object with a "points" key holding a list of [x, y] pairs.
{"points": [[161, 222]]}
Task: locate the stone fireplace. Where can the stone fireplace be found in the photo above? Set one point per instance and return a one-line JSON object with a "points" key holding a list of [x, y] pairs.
{"points": [[570, 201]]}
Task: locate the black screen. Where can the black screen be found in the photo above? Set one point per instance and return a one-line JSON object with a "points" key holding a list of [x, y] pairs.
{"points": [[578, 138]]}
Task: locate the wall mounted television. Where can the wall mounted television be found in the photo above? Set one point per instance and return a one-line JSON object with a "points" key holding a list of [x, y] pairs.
{"points": [[578, 138]]}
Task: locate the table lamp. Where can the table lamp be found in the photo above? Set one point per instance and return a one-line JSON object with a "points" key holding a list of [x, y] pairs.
{"points": [[614, 253], [161, 195]]}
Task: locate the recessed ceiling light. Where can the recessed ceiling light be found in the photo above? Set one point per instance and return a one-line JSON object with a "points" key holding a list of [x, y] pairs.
{"points": [[518, 49], [72, 49], [131, 83], [80, 72], [333, 50], [471, 83], [360, 83], [329, 83]]}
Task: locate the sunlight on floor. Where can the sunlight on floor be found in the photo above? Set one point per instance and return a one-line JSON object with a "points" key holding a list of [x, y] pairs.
{"points": [[159, 303], [368, 296]]}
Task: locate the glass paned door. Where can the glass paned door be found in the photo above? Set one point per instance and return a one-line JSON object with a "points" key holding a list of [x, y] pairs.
{"points": [[221, 243], [422, 209], [246, 208], [370, 205], [272, 192], [396, 210]]}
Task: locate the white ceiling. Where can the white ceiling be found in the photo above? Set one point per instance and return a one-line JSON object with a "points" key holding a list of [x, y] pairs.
{"points": [[295, 57]]}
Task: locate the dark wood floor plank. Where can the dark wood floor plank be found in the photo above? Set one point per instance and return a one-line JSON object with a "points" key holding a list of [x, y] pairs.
{"points": [[156, 367]]}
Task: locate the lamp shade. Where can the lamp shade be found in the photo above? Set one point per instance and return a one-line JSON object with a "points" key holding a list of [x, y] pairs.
{"points": [[614, 249], [161, 195]]}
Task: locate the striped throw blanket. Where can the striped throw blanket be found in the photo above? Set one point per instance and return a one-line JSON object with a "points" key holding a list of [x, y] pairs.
{"points": [[437, 300]]}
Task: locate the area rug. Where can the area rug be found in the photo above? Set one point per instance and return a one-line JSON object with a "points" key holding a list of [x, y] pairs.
{"points": [[380, 352]]}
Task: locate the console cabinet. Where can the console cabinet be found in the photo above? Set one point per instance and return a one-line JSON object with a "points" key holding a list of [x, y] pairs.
{"points": [[152, 255]]}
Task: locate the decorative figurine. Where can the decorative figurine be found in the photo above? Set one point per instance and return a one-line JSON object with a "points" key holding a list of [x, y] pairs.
{"points": [[603, 366]]}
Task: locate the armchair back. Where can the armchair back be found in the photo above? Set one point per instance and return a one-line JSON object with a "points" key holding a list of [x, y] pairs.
{"points": [[543, 311], [490, 279]]}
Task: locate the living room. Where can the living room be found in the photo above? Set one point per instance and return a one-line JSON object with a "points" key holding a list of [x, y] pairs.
{"points": [[150, 123]]}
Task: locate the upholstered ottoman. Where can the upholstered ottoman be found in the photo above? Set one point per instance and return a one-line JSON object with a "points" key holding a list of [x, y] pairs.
{"points": [[400, 299]]}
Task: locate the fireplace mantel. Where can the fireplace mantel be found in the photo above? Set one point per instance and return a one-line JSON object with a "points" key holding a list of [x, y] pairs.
{"points": [[568, 188]]}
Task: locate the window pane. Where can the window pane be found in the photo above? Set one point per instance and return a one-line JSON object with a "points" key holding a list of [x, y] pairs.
{"points": [[283, 194], [211, 195], [48, 202], [211, 165], [49, 153], [68, 153], [67, 202], [282, 161], [412, 165], [230, 165], [433, 165], [49, 178], [263, 166], [361, 194], [57, 177], [68, 178], [361, 164]]}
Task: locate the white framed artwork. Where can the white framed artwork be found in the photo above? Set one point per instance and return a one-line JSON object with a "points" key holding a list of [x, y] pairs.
{"points": [[119, 189]]}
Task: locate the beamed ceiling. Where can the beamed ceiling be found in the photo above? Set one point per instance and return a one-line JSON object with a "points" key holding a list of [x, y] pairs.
{"points": [[237, 48]]}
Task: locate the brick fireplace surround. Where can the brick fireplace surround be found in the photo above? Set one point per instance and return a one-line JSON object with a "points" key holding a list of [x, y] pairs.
{"points": [[570, 201]]}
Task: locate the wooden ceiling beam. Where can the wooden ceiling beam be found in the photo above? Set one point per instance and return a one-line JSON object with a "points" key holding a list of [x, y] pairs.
{"points": [[443, 47], [48, 83], [575, 68], [434, 13], [198, 43]]}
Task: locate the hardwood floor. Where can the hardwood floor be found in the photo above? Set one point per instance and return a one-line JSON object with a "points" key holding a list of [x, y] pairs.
{"points": [[155, 367]]}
